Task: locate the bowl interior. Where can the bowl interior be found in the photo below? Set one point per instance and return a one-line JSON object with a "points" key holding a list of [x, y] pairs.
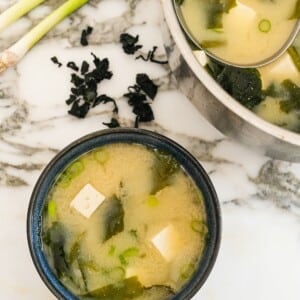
{"points": [[95, 140]]}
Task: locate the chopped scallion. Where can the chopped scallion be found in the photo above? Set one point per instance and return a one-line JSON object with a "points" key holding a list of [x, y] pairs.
{"points": [[152, 201], [128, 253], [75, 169], [52, 209], [101, 156], [206, 44]]}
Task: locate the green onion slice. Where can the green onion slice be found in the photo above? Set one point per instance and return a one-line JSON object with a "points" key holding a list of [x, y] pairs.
{"points": [[52, 209], [128, 253], [264, 26], [101, 156], [199, 226], [152, 201]]}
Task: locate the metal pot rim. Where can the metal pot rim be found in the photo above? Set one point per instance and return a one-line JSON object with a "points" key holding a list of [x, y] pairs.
{"points": [[222, 96]]}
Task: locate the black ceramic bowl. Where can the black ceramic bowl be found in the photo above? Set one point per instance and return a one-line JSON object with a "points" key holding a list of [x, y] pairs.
{"points": [[100, 138]]}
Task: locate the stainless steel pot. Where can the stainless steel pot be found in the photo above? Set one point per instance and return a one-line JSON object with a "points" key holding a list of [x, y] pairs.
{"points": [[216, 105]]}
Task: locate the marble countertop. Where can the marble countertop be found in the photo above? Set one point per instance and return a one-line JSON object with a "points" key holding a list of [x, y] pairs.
{"points": [[260, 198]]}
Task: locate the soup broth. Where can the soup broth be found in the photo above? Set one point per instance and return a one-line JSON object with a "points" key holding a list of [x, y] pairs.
{"points": [[124, 222], [243, 31], [272, 91]]}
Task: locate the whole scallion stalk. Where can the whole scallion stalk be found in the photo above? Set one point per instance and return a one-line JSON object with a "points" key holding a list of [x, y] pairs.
{"points": [[16, 11], [13, 54]]}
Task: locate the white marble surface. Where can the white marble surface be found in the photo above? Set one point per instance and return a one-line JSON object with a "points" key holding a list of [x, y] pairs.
{"points": [[260, 198]]}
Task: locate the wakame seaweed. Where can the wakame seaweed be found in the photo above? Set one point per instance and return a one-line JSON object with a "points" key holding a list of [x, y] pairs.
{"points": [[126, 289], [105, 99], [293, 101], [129, 43], [84, 93], [55, 238], [72, 65], [151, 57], [79, 110], [113, 220], [84, 67], [146, 85], [165, 291], [144, 112], [244, 85], [137, 98], [288, 92], [215, 10], [84, 36], [130, 46], [114, 123], [162, 170], [55, 60]]}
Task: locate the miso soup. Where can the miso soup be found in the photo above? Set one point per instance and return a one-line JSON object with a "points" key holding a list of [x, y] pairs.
{"points": [[124, 221], [240, 31]]}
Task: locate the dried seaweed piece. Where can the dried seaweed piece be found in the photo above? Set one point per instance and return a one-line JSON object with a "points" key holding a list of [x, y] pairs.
{"points": [[114, 123], [55, 60], [78, 91], [101, 71], [151, 57], [84, 36], [137, 122], [73, 66], [147, 85], [135, 98], [84, 67], [129, 43], [76, 80], [144, 112], [84, 94], [78, 110], [71, 99], [90, 91]]}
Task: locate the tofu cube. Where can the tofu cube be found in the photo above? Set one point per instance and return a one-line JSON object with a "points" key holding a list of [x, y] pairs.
{"points": [[167, 242], [87, 201]]}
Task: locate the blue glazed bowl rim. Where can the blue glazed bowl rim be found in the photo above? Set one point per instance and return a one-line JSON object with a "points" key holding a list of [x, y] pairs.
{"points": [[123, 135]]}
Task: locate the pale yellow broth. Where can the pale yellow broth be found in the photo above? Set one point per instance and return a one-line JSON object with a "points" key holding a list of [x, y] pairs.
{"points": [[127, 173], [243, 42]]}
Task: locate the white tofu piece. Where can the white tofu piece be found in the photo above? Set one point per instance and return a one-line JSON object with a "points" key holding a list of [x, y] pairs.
{"points": [[283, 67], [167, 242], [87, 200]]}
